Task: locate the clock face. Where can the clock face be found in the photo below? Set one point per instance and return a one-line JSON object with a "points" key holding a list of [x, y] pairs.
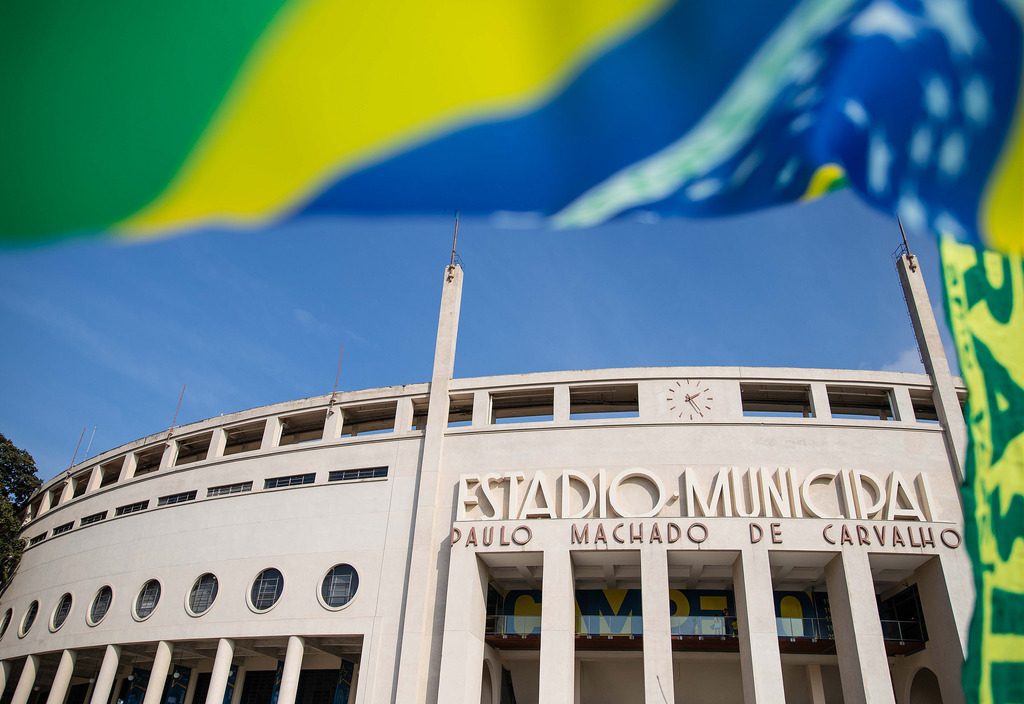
{"points": [[689, 399]]}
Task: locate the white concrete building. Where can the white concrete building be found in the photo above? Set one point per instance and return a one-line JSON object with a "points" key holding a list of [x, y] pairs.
{"points": [[618, 536]]}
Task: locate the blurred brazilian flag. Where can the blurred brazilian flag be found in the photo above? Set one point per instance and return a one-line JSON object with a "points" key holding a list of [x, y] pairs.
{"points": [[138, 118]]}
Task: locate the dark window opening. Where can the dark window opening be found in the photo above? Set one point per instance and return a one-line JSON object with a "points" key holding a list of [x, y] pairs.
{"points": [[79, 483], [55, 495], [292, 480], [94, 518], [131, 508], [37, 539], [861, 403], [924, 406], [419, 412], [193, 449], [63, 528], [368, 419], [525, 406], [776, 400], [304, 427], [110, 472], [460, 411], [244, 438], [350, 475], [619, 401], [902, 617], [148, 461], [226, 489], [176, 498]]}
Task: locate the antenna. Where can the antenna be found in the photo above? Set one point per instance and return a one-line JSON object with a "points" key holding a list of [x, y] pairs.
{"points": [[906, 246], [455, 238], [337, 374], [176, 410], [91, 438], [75, 456]]}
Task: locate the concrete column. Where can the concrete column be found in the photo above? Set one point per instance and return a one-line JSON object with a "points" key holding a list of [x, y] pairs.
{"points": [[903, 406], [128, 467], [577, 683], [5, 673], [819, 401], [170, 455], [221, 671], [27, 680], [403, 415], [335, 420], [557, 628], [929, 343], [291, 671], [760, 662], [271, 433], [815, 684], [68, 491], [105, 677], [946, 649], [190, 689], [44, 504], [158, 673], [218, 442], [481, 408], [863, 666], [419, 656], [462, 651], [659, 681], [561, 404], [61, 680]]}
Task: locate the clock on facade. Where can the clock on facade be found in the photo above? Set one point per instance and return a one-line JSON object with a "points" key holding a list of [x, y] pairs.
{"points": [[690, 399]]}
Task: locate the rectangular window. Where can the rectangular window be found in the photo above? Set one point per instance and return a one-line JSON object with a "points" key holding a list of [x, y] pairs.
{"points": [[148, 461], [351, 475], [293, 480], [228, 489], [523, 406], [64, 528], [244, 438], [861, 403], [37, 539], [176, 498], [193, 449], [94, 518], [419, 412], [303, 427], [776, 400], [79, 483], [595, 402], [111, 472], [460, 411], [131, 508], [55, 495], [368, 419], [924, 406]]}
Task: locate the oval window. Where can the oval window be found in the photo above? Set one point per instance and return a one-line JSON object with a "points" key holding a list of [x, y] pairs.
{"points": [[266, 589], [8, 615], [204, 591], [30, 617], [100, 605], [147, 600], [60, 614], [339, 586]]}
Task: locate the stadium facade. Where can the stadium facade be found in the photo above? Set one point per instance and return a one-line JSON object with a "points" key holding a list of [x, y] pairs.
{"points": [[615, 536]]}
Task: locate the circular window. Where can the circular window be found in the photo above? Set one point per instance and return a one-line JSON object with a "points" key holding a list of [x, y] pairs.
{"points": [[6, 622], [266, 589], [339, 586], [100, 605], [30, 617], [203, 593], [147, 600], [60, 614]]}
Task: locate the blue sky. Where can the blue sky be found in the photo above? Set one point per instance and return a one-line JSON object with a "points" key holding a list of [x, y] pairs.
{"points": [[102, 335]]}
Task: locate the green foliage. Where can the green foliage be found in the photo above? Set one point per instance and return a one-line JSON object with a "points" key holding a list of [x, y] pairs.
{"points": [[18, 480]]}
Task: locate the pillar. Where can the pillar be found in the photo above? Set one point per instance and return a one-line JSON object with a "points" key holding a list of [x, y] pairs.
{"points": [[462, 650], [933, 355], [291, 671], [26, 681], [158, 673], [105, 677], [561, 405], [236, 696], [944, 644], [659, 682], [815, 684], [61, 680], [221, 671], [5, 673], [190, 689], [557, 629], [760, 661], [860, 649], [419, 649]]}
